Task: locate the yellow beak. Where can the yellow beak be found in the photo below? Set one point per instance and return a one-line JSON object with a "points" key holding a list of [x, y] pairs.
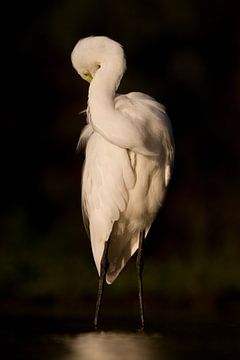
{"points": [[88, 77]]}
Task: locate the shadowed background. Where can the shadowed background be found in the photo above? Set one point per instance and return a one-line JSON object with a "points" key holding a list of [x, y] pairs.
{"points": [[186, 55]]}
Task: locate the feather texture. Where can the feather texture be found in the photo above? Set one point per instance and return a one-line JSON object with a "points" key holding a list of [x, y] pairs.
{"points": [[129, 155], [122, 190]]}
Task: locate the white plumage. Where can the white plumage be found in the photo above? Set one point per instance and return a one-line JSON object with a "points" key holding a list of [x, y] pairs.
{"points": [[129, 155]]}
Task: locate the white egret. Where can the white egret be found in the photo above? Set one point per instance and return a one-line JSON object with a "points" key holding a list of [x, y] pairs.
{"points": [[128, 164]]}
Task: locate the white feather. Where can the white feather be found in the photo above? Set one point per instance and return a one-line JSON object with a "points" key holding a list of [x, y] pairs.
{"points": [[129, 156]]}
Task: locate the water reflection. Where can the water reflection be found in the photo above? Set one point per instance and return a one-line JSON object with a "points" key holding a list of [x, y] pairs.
{"points": [[113, 346], [180, 340]]}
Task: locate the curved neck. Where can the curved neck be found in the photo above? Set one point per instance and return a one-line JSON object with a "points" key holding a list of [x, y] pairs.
{"points": [[103, 88], [105, 119]]}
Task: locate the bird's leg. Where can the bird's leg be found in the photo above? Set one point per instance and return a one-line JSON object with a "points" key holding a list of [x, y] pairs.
{"points": [[102, 278], [139, 265]]}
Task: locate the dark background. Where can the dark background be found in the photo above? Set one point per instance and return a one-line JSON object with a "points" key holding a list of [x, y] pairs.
{"points": [[184, 53]]}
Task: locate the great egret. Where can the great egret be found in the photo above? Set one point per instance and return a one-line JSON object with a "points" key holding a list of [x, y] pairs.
{"points": [[128, 164]]}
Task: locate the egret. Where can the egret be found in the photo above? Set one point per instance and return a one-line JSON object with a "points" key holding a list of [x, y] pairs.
{"points": [[129, 154]]}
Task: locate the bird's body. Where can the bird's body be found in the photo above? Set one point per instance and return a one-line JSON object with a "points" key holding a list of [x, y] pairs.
{"points": [[129, 156], [122, 190]]}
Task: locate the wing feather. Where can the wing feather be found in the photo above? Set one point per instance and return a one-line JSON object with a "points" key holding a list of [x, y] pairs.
{"points": [[109, 176], [153, 122]]}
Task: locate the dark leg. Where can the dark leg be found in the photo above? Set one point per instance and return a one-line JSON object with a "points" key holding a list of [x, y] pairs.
{"points": [[139, 265], [103, 272]]}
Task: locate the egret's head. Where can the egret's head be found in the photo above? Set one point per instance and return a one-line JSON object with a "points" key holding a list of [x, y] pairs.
{"points": [[92, 52]]}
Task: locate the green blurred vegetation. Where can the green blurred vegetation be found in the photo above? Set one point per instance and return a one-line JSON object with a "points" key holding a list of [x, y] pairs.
{"points": [[186, 55]]}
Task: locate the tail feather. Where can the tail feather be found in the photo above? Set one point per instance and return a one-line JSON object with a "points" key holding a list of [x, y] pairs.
{"points": [[119, 253]]}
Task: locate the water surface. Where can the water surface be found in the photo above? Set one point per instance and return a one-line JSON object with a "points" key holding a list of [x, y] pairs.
{"points": [[172, 341]]}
